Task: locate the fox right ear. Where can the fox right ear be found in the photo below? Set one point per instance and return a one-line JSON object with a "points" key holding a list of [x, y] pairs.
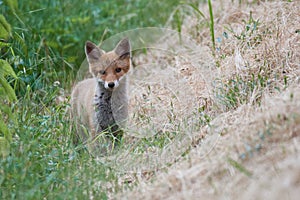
{"points": [[123, 48], [92, 52]]}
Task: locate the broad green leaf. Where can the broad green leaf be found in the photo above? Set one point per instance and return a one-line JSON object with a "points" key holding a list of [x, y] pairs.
{"points": [[6, 69], [8, 89], [5, 28], [5, 91], [4, 44]]}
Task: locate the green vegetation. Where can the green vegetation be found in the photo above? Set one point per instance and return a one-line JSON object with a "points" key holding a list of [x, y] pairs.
{"points": [[42, 42], [7, 95]]}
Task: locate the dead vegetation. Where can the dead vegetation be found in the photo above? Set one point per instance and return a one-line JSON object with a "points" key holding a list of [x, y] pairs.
{"points": [[246, 100]]}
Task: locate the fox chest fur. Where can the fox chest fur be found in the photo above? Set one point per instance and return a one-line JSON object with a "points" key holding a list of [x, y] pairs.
{"points": [[100, 104], [97, 108]]}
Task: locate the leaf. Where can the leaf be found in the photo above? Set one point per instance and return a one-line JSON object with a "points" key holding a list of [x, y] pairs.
{"points": [[5, 91], [6, 69], [8, 89], [5, 28], [4, 44]]}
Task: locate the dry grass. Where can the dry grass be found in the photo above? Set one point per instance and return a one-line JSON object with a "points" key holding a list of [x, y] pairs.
{"points": [[250, 149]]}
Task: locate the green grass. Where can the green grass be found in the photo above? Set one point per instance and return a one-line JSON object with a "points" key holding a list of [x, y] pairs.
{"points": [[45, 45], [43, 163], [211, 25]]}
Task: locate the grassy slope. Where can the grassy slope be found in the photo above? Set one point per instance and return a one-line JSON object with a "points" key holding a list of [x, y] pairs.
{"points": [[240, 107], [252, 99]]}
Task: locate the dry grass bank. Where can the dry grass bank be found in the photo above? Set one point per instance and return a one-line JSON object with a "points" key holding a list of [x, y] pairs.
{"points": [[249, 93]]}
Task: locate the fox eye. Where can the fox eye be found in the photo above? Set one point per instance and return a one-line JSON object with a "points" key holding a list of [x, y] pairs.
{"points": [[118, 69], [102, 72]]}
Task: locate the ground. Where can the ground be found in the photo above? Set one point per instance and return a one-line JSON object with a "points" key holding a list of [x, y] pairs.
{"points": [[249, 91]]}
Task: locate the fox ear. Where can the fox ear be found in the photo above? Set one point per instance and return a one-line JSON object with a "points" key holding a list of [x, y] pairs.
{"points": [[92, 52], [123, 48]]}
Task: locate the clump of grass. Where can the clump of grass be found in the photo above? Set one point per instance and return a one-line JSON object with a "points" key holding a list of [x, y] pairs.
{"points": [[250, 79], [42, 161], [239, 90]]}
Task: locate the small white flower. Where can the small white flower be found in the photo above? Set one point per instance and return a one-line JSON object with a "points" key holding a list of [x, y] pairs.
{"points": [[56, 83]]}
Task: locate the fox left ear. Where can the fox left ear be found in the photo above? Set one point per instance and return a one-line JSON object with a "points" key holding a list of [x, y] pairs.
{"points": [[123, 48], [92, 52]]}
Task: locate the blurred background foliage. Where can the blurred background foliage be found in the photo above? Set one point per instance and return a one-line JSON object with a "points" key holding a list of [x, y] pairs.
{"points": [[47, 37]]}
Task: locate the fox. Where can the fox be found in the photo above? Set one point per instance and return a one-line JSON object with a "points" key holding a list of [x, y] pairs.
{"points": [[100, 104]]}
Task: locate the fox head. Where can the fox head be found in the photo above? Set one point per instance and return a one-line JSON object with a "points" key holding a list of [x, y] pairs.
{"points": [[110, 67]]}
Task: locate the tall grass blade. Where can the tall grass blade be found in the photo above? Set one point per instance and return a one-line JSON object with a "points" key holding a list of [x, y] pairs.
{"points": [[211, 25]]}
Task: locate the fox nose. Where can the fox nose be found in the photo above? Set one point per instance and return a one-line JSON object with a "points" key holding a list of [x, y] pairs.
{"points": [[111, 84]]}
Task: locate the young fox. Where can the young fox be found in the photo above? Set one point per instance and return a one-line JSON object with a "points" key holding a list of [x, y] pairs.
{"points": [[100, 103]]}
